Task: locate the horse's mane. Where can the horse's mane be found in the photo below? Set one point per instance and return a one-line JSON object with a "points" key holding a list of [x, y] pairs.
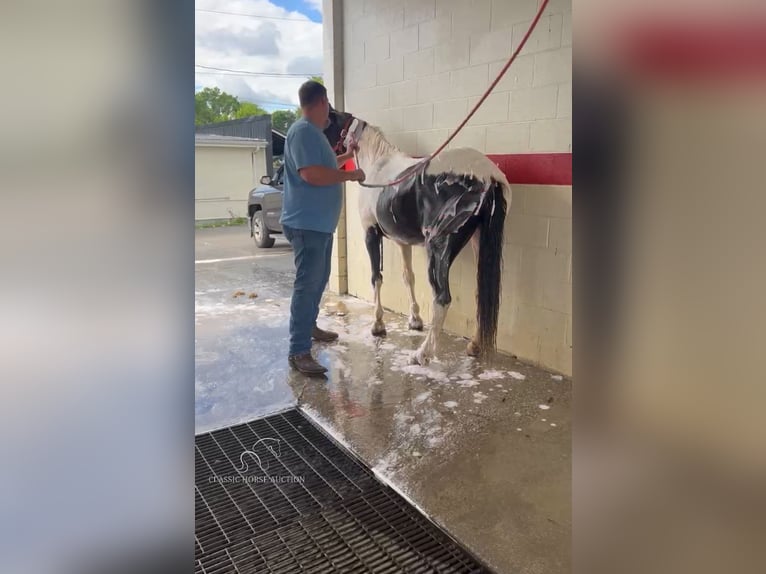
{"points": [[378, 145]]}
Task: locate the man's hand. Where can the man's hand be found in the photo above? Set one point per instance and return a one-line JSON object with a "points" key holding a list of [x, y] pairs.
{"points": [[356, 175]]}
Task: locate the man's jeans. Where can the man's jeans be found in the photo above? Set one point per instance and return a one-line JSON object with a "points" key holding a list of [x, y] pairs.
{"points": [[312, 251]]}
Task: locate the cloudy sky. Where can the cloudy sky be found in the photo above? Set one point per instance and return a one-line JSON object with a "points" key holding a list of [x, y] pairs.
{"points": [[285, 39]]}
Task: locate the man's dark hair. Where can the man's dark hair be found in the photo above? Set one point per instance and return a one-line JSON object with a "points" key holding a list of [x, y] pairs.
{"points": [[311, 92]]}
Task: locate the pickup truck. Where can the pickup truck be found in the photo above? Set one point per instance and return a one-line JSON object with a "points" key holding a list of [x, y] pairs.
{"points": [[264, 208]]}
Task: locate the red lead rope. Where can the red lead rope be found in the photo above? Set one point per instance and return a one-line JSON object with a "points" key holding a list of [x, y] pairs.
{"points": [[410, 171]]}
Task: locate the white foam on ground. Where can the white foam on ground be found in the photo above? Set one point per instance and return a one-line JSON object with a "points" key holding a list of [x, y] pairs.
{"points": [[491, 374], [468, 384], [557, 377], [450, 404], [421, 397], [479, 397], [544, 407], [517, 375]]}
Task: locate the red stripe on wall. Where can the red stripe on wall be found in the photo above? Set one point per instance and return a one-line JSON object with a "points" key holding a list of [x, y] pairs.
{"points": [[696, 49], [528, 168], [535, 168]]}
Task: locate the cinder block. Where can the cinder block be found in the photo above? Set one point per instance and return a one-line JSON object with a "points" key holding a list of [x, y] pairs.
{"points": [[506, 13], [434, 32], [363, 77], [554, 67], [493, 110], [419, 64], [405, 141], [469, 81], [449, 113], [566, 32], [544, 264], [391, 18], [549, 325], [419, 117], [392, 120], [559, 6], [519, 75], [490, 47], [404, 93], [433, 88], [508, 138], [470, 136], [551, 136], [404, 41], [390, 71], [376, 49], [557, 296], [546, 36], [416, 11], [471, 16], [429, 140], [557, 357], [527, 230], [564, 108], [533, 104], [453, 55], [444, 8], [353, 54], [548, 200], [560, 235], [375, 98], [525, 346]]}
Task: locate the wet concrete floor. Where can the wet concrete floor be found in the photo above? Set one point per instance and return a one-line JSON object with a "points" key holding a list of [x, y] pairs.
{"points": [[483, 447]]}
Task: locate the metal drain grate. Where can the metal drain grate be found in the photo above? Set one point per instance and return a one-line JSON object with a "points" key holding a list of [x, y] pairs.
{"points": [[278, 495]]}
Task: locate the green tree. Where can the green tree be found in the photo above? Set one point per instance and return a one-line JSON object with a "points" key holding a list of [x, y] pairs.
{"points": [[212, 105], [281, 120], [247, 109]]}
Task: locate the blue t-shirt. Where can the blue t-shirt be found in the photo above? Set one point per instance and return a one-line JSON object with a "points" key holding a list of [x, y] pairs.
{"points": [[306, 206]]}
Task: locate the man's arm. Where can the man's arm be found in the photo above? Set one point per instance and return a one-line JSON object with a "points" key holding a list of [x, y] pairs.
{"points": [[321, 175]]}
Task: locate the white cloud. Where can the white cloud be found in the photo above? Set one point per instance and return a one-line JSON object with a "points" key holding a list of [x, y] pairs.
{"points": [[315, 4], [257, 45]]}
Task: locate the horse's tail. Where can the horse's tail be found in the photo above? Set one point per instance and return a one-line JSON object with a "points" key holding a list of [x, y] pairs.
{"points": [[490, 266]]}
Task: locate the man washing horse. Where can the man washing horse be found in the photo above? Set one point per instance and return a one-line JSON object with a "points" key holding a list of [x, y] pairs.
{"points": [[313, 197]]}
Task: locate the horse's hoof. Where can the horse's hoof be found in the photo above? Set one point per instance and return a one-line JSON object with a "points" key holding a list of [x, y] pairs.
{"points": [[473, 349], [378, 330], [419, 359], [416, 324]]}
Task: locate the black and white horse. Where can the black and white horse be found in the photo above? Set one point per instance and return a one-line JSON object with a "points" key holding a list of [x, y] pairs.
{"points": [[460, 195]]}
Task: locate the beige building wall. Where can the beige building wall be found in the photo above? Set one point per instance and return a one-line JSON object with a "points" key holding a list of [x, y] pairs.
{"points": [[223, 177], [414, 68]]}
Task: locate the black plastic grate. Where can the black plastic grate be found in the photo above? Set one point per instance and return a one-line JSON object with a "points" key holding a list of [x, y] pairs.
{"points": [[298, 502]]}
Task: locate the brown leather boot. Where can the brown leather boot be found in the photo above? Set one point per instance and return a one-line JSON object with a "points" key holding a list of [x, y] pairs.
{"points": [[306, 364], [323, 336]]}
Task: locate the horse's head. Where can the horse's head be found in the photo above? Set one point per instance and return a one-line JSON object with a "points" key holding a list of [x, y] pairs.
{"points": [[337, 130]]}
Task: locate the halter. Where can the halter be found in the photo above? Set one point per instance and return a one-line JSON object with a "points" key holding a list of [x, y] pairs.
{"points": [[343, 133]]}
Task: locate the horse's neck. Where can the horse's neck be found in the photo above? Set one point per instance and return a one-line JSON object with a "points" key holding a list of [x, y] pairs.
{"points": [[380, 160]]}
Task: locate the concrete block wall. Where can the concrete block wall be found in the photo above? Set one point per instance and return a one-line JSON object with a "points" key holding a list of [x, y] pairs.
{"points": [[415, 68]]}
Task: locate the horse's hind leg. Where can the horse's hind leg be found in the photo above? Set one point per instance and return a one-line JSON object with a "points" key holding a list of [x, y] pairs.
{"points": [[373, 240], [416, 322]]}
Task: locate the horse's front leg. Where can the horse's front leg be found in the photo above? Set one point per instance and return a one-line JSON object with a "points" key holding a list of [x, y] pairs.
{"points": [[373, 240], [474, 349], [416, 322]]}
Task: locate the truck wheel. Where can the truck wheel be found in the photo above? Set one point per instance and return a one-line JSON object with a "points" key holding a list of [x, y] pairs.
{"points": [[261, 232]]}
